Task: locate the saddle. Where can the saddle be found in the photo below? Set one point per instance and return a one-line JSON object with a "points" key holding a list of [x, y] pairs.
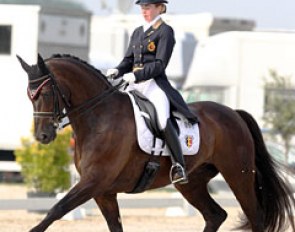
{"points": [[150, 138], [150, 117], [149, 134], [148, 112]]}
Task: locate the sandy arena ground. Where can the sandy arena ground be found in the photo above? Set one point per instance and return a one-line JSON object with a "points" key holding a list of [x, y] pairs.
{"points": [[134, 220]]}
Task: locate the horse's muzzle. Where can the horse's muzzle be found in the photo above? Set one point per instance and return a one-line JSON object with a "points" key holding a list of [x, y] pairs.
{"points": [[46, 137]]}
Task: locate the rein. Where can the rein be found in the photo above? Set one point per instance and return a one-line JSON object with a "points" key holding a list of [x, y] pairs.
{"points": [[57, 114], [91, 103]]}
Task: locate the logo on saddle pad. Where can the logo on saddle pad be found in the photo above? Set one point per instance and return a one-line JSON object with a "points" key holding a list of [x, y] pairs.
{"points": [[189, 141]]}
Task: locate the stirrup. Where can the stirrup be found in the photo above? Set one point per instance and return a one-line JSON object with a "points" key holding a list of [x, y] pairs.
{"points": [[183, 179]]}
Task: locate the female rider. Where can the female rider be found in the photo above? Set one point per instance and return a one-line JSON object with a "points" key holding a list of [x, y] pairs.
{"points": [[143, 67]]}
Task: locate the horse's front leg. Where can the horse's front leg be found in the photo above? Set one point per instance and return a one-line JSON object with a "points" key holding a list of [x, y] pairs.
{"points": [[79, 194], [110, 210]]}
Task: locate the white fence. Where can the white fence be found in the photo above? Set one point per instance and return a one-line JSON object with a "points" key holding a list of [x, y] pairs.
{"points": [[9, 166], [127, 201], [130, 203]]}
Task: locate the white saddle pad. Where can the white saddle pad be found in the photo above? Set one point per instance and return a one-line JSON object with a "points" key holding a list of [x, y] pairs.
{"points": [[189, 134]]}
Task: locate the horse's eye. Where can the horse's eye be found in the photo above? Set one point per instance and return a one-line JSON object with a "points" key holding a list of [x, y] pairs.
{"points": [[46, 95]]}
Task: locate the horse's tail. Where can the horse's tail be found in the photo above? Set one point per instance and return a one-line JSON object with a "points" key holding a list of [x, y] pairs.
{"points": [[274, 195]]}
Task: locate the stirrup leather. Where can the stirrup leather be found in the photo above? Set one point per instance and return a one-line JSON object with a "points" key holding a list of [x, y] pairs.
{"points": [[183, 179]]}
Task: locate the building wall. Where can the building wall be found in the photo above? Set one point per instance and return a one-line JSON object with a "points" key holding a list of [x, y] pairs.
{"points": [[48, 49], [64, 34]]}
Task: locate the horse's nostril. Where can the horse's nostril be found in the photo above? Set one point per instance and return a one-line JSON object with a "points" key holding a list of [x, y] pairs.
{"points": [[42, 137], [45, 137]]}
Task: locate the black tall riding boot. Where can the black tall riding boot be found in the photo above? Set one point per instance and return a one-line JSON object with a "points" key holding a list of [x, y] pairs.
{"points": [[177, 172]]}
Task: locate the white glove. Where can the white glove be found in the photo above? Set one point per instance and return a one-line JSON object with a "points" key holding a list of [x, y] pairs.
{"points": [[129, 77], [112, 72]]}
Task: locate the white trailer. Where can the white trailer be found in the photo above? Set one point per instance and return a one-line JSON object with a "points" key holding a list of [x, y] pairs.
{"points": [[231, 67], [16, 110]]}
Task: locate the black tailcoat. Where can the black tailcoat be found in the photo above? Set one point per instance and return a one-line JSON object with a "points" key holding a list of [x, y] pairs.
{"points": [[148, 55]]}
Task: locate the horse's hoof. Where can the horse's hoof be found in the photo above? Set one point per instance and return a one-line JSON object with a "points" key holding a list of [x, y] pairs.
{"points": [[36, 229]]}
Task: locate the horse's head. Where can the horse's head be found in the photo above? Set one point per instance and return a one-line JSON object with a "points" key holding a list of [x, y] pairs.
{"points": [[42, 93], [63, 82]]}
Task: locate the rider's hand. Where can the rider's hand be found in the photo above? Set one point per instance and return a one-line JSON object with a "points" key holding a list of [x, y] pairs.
{"points": [[112, 72], [129, 77]]}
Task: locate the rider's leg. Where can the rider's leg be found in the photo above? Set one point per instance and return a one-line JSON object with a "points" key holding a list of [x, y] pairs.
{"points": [[161, 102], [177, 172]]}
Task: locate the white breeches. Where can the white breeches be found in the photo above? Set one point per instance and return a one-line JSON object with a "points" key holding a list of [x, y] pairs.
{"points": [[156, 95]]}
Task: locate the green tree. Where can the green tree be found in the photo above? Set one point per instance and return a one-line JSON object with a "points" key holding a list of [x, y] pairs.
{"points": [[45, 168], [280, 108]]}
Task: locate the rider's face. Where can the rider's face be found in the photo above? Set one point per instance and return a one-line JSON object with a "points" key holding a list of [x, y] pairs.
{"points": [[150, 11]]}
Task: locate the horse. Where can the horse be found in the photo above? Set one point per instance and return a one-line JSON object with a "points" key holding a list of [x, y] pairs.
{"points": [[110, 161]]}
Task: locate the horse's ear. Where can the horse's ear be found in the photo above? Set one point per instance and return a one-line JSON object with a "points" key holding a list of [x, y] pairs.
{"points": [[41, 64], [40, 61], [24, 65]]}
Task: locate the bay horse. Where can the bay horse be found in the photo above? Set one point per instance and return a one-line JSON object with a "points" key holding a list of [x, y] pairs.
{"points": [[109, 159]]}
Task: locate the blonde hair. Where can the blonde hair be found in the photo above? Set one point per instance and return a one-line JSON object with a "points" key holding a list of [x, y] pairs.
{"points": [[163, 6]]}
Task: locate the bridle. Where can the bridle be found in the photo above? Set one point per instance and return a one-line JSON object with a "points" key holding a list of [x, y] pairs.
{"points": [[58, 114]]}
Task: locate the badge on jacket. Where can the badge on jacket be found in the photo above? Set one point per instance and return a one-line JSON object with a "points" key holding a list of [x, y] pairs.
{"points": [[151, 46]]}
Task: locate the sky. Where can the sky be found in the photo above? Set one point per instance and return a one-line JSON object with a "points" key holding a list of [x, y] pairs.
{"points": [[268, 14]]}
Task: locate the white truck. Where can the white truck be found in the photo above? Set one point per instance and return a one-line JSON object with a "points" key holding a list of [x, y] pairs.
{"points": [[19, 27], [232, 67]]}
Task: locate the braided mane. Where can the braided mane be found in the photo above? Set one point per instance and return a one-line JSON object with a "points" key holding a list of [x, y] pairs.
{"points": [[78, 60]]}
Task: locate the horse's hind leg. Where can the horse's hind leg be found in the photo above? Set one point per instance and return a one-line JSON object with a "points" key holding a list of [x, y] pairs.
{"points": [[110, 210], [196, 193], [245, 193]]}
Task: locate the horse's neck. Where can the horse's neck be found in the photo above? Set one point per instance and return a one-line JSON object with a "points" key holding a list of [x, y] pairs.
{"points": [[83, 83], [107, 115]]}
